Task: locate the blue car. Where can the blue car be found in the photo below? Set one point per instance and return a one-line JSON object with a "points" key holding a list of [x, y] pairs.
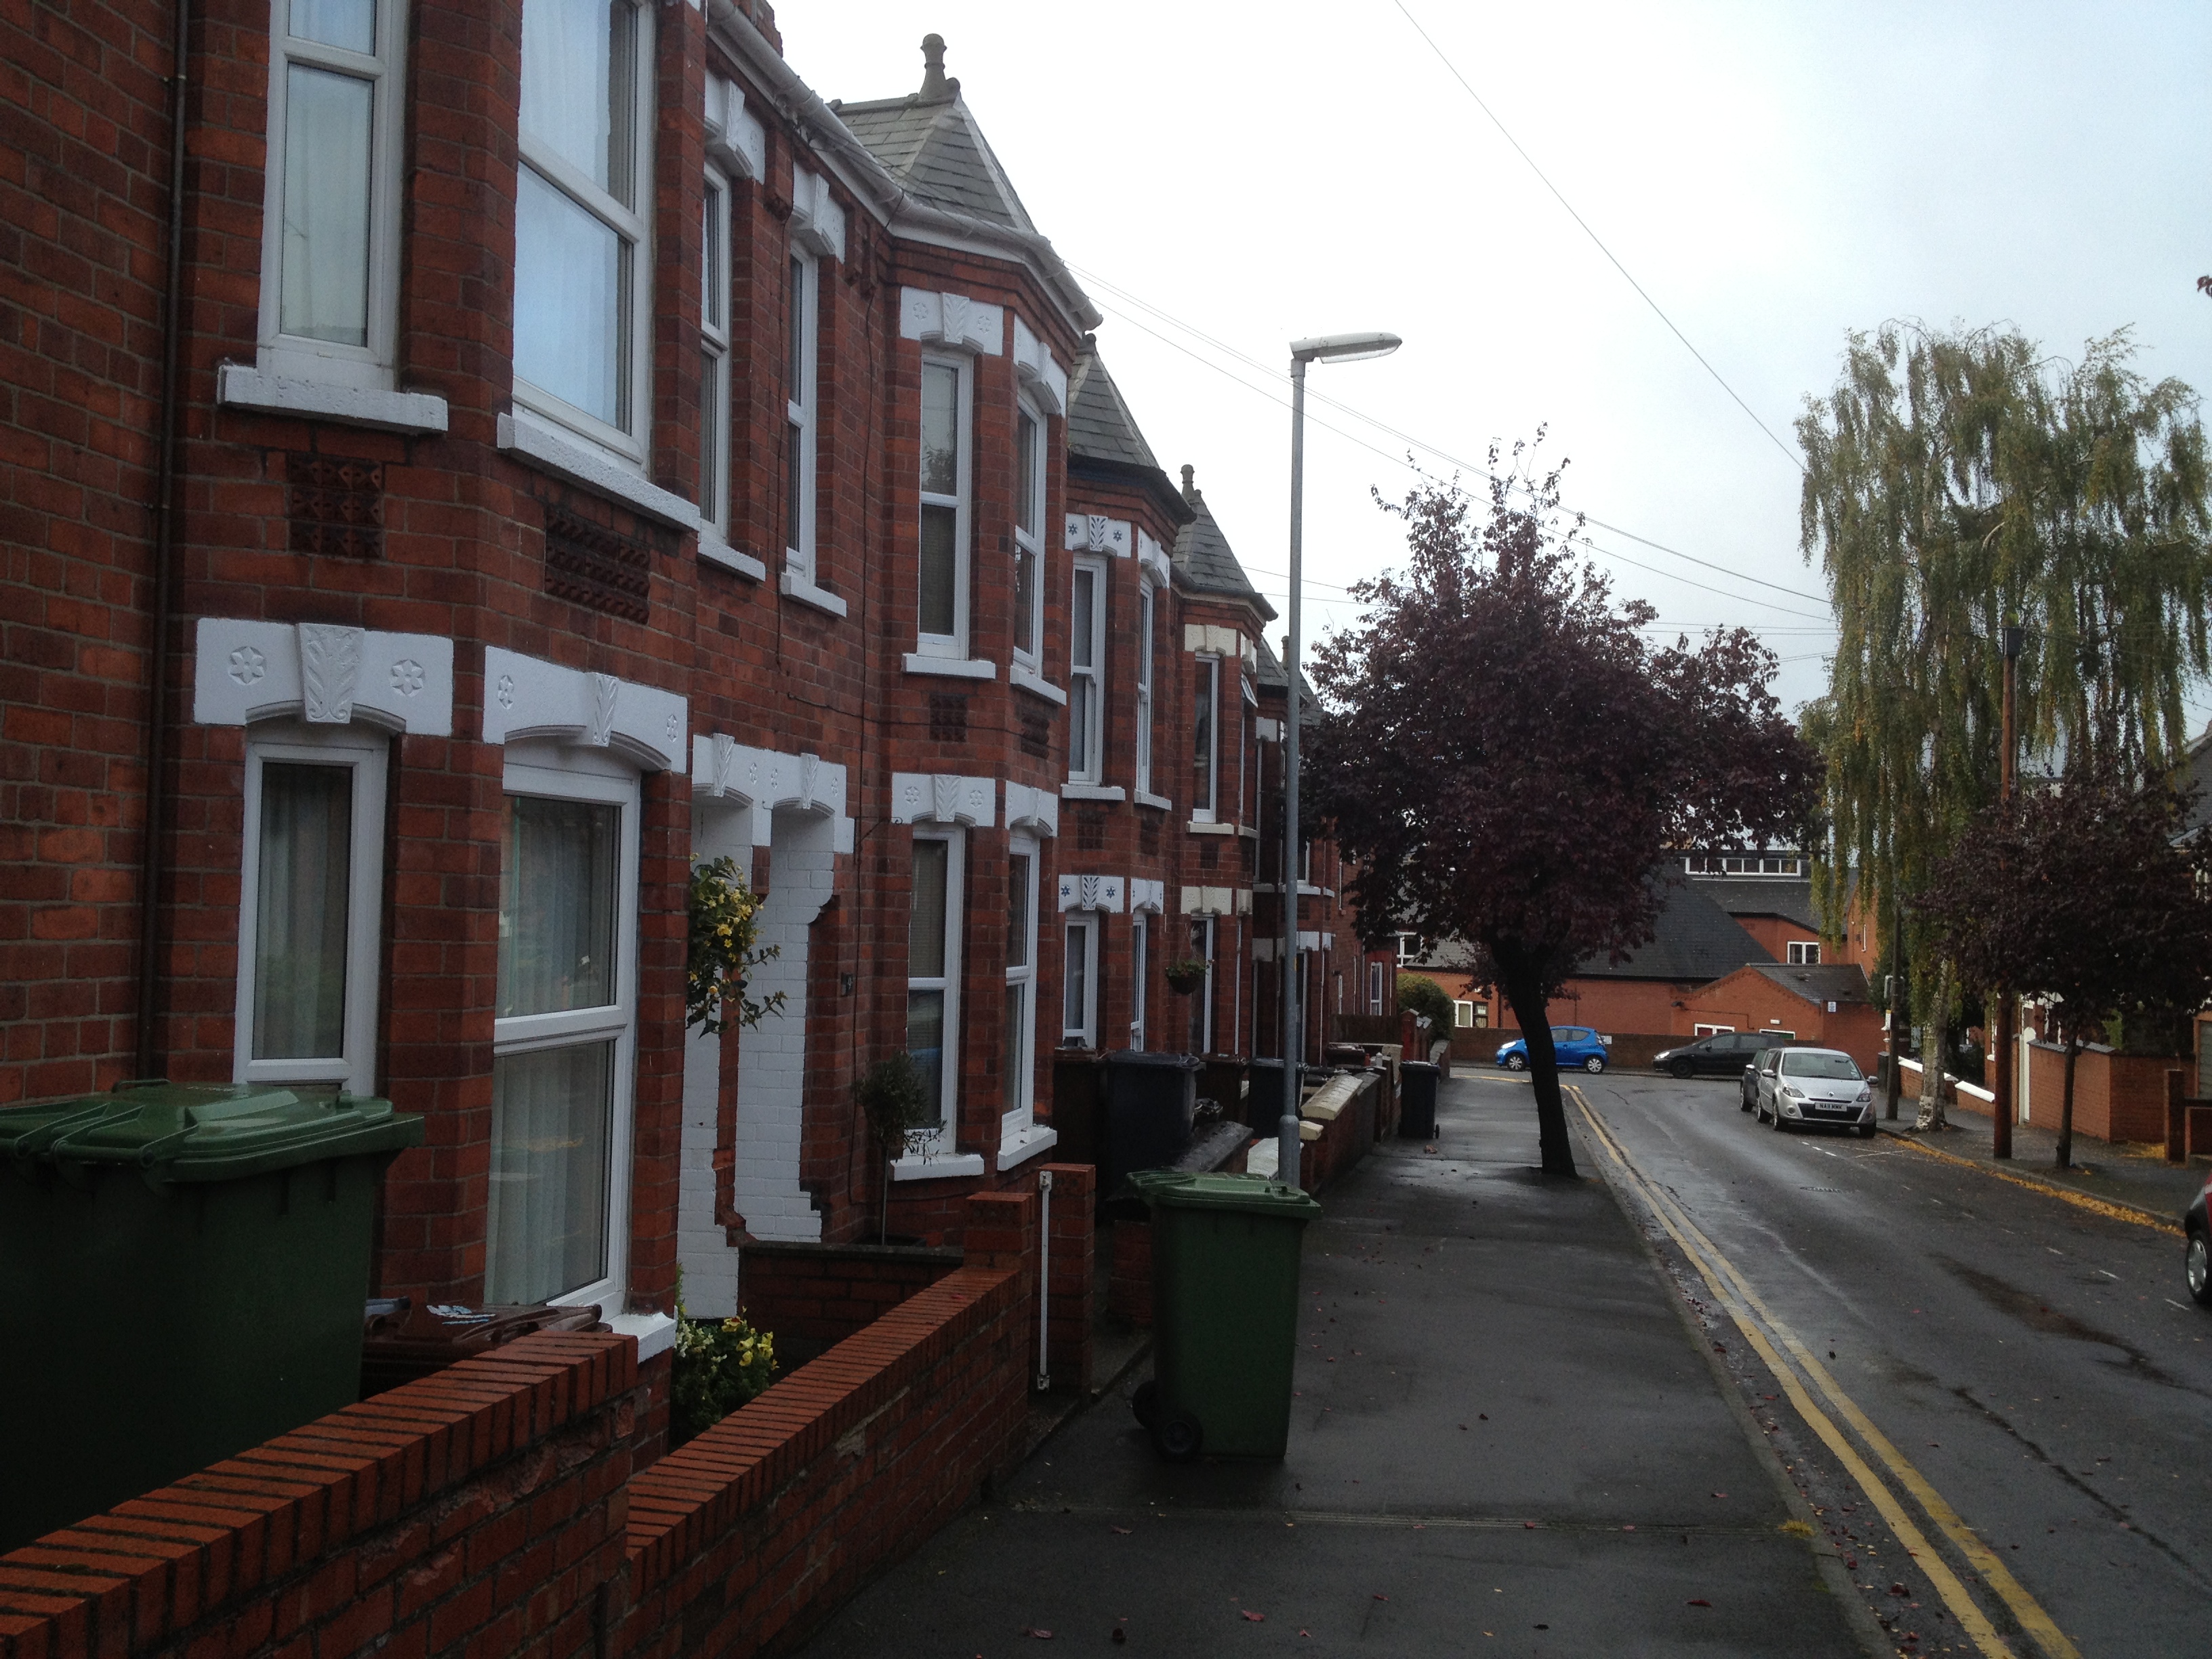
{"points": [[1577, 1047]]}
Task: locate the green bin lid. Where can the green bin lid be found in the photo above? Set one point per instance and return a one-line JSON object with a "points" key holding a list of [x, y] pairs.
{"points": [[1189, 1190], [203, 1132]]}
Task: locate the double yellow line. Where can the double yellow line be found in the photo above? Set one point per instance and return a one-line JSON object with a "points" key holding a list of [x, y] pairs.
{"points": [[1765, 1331]]}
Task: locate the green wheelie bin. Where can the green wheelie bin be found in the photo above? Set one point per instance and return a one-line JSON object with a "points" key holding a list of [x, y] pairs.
{"points": [[184, 1267], [1224, 1312]]}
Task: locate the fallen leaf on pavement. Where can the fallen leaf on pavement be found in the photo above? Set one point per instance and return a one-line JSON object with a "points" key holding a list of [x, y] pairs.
{"points": [[1126, 1530], [1256, 1617], [1379, 1596], [1699, 1601], [1042, 1635]]}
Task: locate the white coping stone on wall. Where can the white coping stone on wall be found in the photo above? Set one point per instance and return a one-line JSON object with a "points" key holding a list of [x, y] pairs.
{"points": [[527, 697], [952, 319], [938, 1166], [766, 782], [1095, 532], [1023, 1144], [734, 136], [943, 798], [1092, 893], [796, 587], [655, 1332], [816, 219], [950, 668], [1091, 792], [1038, 370], [536, 445], [325, 675], [1035, 812], [238, 386], [714, 551]]}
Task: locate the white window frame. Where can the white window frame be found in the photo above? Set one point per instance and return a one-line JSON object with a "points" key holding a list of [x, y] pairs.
{"points": [[1462, 1014], [714, 446], [1139, 970], [1088, 925], [1375, 988], [366, 752], [801, 407], [1804, 953], [292, 356], [1205, 991], [1147, 612], [1030, 543], [952, 646], [1093, 736], [1206, 797], [573, 774], [635, 228], [1021, 1074], [927, 1142], [1699, 1029]]}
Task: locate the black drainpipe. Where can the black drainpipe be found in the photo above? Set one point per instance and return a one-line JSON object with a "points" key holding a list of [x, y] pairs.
{"points": [[157, 689]]}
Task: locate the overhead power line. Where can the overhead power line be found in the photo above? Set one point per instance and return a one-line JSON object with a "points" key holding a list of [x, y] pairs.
{"points": [[1642, 293]]}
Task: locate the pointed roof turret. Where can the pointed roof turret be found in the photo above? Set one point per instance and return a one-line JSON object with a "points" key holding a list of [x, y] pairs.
{"points": [[929, 142]]}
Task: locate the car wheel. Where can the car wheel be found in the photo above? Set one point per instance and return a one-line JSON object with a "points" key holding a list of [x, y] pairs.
{"points": [[1145, 1403], [1595, 1065], [2197, 1265], [1516, 1062], [1679, 1069], [1780, 1125], [1178, 1436], [1866, 1130]]}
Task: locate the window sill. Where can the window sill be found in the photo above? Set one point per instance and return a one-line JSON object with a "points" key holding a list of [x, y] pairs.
{"points": [[953, 668], [540, 447], [655, 1332], [949, 1167], [1036, 684], [714, 550], [1158, 803], [796, 587], [240, 387], [1090, 792], [1197, 827], [1025, 1145]]}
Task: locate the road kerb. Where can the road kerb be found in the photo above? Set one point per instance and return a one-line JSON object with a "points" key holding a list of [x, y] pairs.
{"points": [[2114, 1209]]}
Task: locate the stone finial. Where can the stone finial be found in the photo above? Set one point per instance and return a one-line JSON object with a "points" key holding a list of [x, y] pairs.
{"points": [[1189, 485], [935, 87]]}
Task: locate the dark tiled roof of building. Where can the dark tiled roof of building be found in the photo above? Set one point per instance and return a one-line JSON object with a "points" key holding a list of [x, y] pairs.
{"points": [[1269, 675], [1204, 562], [1843, 982], [2197, 774], [1789, 897], [930, 142], [1099, 424], [1695, 941]]}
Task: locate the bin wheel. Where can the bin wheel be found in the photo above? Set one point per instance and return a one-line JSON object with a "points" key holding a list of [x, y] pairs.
{"points": [[1178, 1436], [1145, 1403]]}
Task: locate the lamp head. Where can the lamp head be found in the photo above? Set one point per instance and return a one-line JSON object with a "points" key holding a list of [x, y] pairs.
{"points": [[1344, 348]]}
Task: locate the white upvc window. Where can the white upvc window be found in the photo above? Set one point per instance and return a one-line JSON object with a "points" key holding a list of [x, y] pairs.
{"points": [[1375, 971], [582, 247], [1201, 1000], [1140, 968], [1145, 611], [1462, 1013], [803, 336], [948, 386], [1029, 537], [1205, 746], [715, 359], [330, 255], [1804, 953], [1086, 663], [1079, 983], [1019, 1038], [564, 1037], [932, 983], [310, 900]]}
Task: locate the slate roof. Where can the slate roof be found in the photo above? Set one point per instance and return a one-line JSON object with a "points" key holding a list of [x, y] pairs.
{"points": [[1269, 674], [930, 142], [1099, 424], [1205, 564], [1790, 898], [1844, 982], [2197, 774], [1695, 941]]}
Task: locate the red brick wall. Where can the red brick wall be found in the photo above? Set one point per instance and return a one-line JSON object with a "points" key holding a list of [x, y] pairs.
{"points": [[825, 1292], [2119, 1098]]}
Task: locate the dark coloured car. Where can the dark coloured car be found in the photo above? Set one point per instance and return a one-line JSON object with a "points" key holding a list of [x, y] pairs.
{"points": [[2197, 1265], [1724, 1054]]}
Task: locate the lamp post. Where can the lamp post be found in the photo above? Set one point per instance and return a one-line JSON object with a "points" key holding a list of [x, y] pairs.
{"points": [[2003, 1045], [1331, 347]]}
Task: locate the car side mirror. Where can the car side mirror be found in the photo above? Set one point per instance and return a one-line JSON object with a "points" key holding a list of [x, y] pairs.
{"points": [[1749, 1070]]}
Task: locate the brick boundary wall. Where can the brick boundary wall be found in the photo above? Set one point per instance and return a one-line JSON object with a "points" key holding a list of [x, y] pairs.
{"points": [[824, 1293]]}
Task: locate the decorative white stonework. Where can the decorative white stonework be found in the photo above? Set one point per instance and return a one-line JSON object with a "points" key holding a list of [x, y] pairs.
{"points": [[1040, 375], [526, 697], [943, 798], [1267, 730], [1153, 559], [734, 137], [1094, 532], [1209, 902], [763, 783], [952, 319], [1090, 893], [325, 675], [817, 221], [1147, 896], [1210, 641], [1267, 949], [1033, 811]]}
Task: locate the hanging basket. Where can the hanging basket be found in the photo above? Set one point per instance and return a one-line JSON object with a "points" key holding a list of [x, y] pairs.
{"points": [[1185, 977]]}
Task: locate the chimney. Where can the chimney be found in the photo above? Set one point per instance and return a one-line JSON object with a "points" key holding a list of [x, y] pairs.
{"points": [[936, 88], [1190, 487]]}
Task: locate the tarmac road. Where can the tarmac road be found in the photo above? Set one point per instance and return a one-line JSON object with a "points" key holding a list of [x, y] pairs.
{"points": [[1508, 1438], [2039, 1367]]}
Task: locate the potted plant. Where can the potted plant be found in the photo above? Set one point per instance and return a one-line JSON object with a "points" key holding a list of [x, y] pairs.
{"points": [[896, 1106], [1186, 975], [724, 948]]}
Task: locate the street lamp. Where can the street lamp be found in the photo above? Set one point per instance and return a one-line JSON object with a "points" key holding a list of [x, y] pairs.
{"points": [[1329, 348]]}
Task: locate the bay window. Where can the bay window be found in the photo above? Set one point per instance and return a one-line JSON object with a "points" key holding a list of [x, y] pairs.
{"points": [[1018, 1040], [564, 1034], [947, 394], [311, 896], [1205, 759], [802, 332], [1145, 614], [1078, 1018], [331, 226], [1086, 661], [581, 278], [1029, 537], [715, 361], [933, 983]]}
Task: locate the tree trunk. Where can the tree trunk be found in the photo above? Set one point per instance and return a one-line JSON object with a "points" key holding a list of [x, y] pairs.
{"points": [[1524, 990], [2065, 1158], [1931, 1065]]}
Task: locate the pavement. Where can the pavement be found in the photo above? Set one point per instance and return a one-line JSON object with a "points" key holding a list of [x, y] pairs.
{"points": [[1507, 1437], [2133, 1177]]}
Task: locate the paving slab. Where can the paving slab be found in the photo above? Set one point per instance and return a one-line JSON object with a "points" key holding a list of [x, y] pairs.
{"points": [[1504, 1439]]}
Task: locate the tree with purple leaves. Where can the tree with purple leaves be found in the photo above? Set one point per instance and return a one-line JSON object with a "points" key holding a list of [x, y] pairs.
{"points": [[1509, 761]]}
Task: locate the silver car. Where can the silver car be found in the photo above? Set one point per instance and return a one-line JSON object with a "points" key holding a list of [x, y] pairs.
{"points": [[1792, 1087]]}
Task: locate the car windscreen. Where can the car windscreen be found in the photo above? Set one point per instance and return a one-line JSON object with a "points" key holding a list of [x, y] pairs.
{"points": [[1827, 1065]]}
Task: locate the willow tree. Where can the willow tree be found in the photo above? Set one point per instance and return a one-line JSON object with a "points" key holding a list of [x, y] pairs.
{"points": [[1955, 482]]}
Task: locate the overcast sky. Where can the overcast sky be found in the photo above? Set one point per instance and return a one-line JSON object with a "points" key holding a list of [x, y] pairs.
{"points": [[1227, 178]]}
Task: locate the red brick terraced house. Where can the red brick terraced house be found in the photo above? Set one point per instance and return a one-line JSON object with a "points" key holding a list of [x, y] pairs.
{"points": [[590, 453]]}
